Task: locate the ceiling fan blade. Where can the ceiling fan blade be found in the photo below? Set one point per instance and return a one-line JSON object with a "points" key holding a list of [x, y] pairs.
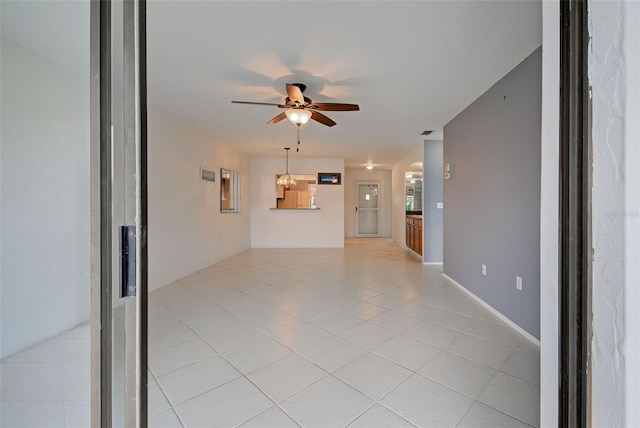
{"points": [[335, 107], [294, 93], [319, 117], [258, 104], [277, 119]]}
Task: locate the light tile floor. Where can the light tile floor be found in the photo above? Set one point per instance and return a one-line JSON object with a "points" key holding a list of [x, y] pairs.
{"points": [[48, 385], [363, 336]]}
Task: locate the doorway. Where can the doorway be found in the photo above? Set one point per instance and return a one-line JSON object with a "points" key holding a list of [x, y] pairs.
{"points": [[367, 209]]}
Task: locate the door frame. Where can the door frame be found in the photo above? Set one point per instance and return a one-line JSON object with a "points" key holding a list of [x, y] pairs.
{"points": [[100, 164], [357, 213], [103, 287], [100, 196], [575, 244]]}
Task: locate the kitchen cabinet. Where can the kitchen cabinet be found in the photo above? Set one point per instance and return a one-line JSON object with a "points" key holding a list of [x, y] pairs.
{"points": [[414, 233], [294, 199]]}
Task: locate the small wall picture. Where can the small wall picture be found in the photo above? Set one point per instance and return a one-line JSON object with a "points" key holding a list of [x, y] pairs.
{"points": [[330, 178]]}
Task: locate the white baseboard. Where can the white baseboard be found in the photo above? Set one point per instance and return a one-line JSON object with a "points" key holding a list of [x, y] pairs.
{"points": [[495, 312], [432, 263]]}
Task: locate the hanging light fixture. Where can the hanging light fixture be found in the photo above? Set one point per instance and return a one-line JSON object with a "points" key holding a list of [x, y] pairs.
{"points": [[285, 179], [298, 116]]}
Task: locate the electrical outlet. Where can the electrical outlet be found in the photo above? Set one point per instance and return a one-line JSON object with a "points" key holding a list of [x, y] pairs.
{"points": [[484, 270], [519, 283]]}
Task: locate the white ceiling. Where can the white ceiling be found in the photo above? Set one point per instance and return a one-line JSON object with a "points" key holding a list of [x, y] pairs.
{"points": [[411, 66]]}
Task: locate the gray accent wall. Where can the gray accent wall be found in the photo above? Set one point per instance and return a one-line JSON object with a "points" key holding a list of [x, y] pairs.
{"points": [[432, 217], [492, 201]]}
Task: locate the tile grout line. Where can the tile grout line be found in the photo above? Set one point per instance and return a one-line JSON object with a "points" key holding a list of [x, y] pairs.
{"points": [[334, 335], [242, 375], [164, 394]]}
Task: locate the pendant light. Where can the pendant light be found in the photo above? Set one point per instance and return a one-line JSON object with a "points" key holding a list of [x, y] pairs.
{"points": [[285, 179]]}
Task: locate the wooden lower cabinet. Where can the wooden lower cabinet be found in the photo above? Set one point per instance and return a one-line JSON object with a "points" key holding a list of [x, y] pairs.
{"points": [[414, 234], [294, 199]]}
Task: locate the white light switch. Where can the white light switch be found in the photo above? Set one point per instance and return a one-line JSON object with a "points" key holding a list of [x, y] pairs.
{"points": [[439, 205]]}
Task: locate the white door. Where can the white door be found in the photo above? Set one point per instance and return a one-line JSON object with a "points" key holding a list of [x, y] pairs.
{"points": [[367, 209]]}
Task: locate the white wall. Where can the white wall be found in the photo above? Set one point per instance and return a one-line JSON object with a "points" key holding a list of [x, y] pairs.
{"points": [[398, 192], [187, 231], [549, 209], [631, 47], [614, 75], [322, 228], [44, 199], [351, 177]]}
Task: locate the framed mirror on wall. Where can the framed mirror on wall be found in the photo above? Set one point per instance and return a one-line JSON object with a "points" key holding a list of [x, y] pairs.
{"points": [[229, 191]]}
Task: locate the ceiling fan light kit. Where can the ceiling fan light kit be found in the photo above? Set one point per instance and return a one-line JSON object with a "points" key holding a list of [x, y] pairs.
{"points": [[298, 116]]}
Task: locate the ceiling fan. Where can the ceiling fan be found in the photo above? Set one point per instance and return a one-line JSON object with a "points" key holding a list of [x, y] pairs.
{"points": [[299, 109]]}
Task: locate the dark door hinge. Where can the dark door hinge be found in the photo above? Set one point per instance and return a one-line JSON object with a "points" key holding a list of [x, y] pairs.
{"points": [[127, 261]]}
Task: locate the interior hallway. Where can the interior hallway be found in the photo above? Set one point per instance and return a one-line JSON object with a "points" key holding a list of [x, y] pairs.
{"points": [[363, 336]]}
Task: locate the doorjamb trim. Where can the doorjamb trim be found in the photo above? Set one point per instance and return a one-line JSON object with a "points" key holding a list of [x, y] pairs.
{"points": [[101, 199], [574, 216]]}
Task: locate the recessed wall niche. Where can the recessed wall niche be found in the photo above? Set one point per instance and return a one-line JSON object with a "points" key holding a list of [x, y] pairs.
{"points": [[301, 195]]}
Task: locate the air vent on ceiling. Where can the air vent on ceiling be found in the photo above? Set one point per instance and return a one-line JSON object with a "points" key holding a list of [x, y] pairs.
{"points": [[427, 133]]}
